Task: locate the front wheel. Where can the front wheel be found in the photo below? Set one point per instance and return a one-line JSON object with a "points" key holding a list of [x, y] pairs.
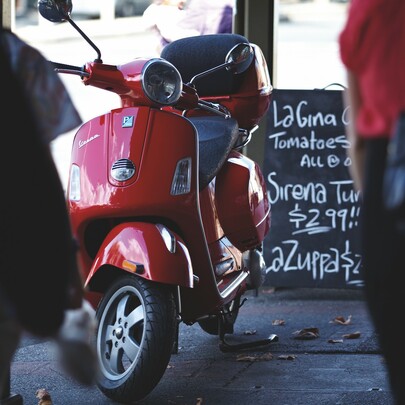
{"points": [[135, 337]]}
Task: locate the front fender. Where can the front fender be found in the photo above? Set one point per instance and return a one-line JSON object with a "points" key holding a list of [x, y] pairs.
{"points": [[139, 248]]}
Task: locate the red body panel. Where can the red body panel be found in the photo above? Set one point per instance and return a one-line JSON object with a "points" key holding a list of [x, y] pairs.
{"points": [[165, 138], [242, 202], [130, 242], [124, 80]]}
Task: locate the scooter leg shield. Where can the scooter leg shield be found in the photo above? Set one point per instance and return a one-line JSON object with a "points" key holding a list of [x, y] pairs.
{"points": [[151, 251]]}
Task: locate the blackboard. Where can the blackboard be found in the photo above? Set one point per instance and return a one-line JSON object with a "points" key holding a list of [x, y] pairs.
{"points": [[314, 235]]}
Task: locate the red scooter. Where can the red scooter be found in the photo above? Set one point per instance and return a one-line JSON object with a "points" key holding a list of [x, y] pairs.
{"points": [[169, 214]]}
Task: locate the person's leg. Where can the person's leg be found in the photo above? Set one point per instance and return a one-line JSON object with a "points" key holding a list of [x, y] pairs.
{"points": [[9, 337], [383, 263]]}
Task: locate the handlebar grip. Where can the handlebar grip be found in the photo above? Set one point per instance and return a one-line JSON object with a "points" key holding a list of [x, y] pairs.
{"points": [[57, 65]]}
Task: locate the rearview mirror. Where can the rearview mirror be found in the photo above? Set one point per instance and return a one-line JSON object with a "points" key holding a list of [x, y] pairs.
{"points": [[239, 58], [237, 61], [55, 10]]}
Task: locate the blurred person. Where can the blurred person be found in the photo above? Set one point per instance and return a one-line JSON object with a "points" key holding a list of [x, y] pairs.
{"points": [[41, 290], [196, 17], [206, 17], [161, 17], [372, 45]]}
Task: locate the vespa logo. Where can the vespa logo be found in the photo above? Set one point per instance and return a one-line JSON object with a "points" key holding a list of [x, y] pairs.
{"points": [[128, 121], [85, 142]]}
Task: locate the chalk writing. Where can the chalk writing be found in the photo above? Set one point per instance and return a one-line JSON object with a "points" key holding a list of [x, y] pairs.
{"points": [[315, 209], [330, 161], [313, 192], [302, 117], [307, 142], [315, 220], [317, 263]]}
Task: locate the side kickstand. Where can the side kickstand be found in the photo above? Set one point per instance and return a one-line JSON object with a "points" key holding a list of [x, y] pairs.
{"points": [[229, 347], [175, 348]]}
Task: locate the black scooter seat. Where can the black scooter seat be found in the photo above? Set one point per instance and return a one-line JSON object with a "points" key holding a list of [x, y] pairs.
{"points": [[216, 138]]}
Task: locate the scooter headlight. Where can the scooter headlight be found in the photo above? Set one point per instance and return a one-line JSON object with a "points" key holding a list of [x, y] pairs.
{"points": [[161, 82]]}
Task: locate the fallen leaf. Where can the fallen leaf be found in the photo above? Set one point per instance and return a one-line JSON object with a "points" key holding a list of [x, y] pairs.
{"points": [[342, 321], [306, 333], [261, 357], [287, 357], [278, 322], [250, 332], [354, 335], [268, 290], [245, 357], [335, 341], [44, 397]]}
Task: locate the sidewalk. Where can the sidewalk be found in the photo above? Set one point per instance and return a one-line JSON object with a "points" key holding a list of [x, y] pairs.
{"points": [[38, 29], [329, 369], [41, 30]]}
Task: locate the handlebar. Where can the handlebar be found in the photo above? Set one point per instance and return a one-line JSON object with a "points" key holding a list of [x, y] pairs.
{"points": [[189, 97], [69, 69], [214, 108]]}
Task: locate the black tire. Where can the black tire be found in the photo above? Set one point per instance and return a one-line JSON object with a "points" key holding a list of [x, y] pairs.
{"points": [[135, 337], [211, 325]]}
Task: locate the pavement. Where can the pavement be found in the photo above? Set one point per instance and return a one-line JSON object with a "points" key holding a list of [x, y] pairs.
{"points": [[338, 363]]}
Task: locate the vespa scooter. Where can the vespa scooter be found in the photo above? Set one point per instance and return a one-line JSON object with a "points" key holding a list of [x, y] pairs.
{"points": [[169, 214]]}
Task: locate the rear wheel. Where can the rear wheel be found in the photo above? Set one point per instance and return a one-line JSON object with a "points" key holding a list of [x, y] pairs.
{"points": [[135, 337], [228, 317]]}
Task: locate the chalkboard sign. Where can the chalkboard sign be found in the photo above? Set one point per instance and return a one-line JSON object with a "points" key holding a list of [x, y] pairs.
{"points": [[314, 236]]}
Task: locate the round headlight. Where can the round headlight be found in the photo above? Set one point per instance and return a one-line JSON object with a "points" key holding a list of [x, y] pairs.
{"points": [[161, 82], [122, 170]]}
